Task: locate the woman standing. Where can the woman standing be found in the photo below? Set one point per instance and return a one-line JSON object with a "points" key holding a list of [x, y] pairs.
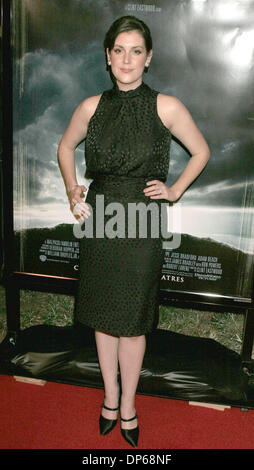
{"points": [[128, 132]]}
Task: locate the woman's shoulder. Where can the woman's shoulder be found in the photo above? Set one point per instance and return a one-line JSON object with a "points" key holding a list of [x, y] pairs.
{"points": [[86, 109], [88, 106], [169, 109], [168, 101]]}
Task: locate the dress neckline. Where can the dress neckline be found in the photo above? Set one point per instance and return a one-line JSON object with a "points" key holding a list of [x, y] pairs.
{"points": [[129, 93]]}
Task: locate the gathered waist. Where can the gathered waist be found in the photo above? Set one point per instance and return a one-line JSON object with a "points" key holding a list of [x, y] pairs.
{"points": [[120, 187], [121, 183], [122, 179], [117, 178]]}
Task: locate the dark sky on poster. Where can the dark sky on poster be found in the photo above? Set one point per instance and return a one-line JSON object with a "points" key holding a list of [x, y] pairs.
{"points": [[203, 55]]}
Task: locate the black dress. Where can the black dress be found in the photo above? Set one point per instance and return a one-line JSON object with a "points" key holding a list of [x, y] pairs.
{"points": [[119, 277]]}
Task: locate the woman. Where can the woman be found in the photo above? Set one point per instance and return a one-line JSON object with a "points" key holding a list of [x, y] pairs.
{"points": [[128, 131]]}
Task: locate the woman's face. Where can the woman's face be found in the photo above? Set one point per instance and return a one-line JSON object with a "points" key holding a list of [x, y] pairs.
{"points": [[128, 58]]}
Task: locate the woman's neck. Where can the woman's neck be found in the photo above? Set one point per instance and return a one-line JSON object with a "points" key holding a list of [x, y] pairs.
{"points": [[128, 86]]}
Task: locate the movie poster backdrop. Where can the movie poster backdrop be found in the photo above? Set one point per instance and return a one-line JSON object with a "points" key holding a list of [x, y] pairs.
{"points": [[203, 55]]}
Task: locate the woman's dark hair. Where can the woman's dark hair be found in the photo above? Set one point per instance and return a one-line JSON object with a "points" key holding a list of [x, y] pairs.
{"points": [[124, 24]]}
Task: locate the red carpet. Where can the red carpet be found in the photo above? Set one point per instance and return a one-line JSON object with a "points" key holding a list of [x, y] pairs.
{"points": [[59, 416]]}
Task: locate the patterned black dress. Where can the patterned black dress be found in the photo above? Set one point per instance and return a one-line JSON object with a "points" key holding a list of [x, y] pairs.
{"points": [[120, 270]]}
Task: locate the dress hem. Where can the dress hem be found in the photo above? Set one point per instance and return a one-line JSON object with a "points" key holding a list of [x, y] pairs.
{"points": [[146, 332]]}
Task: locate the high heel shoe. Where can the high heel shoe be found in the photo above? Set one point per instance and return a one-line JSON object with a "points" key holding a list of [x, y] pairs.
{"points": [[131, 435], [106, 425]]}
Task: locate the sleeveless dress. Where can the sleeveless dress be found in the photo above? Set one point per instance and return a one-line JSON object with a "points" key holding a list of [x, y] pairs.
{"points": [[119, 264]]}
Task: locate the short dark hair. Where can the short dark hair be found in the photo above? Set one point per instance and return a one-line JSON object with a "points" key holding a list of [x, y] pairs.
{"points": [[124, 24]]}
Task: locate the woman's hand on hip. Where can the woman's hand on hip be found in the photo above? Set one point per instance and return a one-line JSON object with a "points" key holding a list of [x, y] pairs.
{"points": [[156, 189], [77, 205]]}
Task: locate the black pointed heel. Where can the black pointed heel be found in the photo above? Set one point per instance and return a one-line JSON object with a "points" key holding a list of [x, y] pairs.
{"points": [[131, 435], [106, 425]]}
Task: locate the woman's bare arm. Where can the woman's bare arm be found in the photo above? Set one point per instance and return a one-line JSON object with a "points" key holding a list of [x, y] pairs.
{"points": [[73, 135], [178, 120]]}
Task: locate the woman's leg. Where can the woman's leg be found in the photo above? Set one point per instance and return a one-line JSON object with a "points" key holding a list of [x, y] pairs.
{"points": [[131, 352], [107, 348]]}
